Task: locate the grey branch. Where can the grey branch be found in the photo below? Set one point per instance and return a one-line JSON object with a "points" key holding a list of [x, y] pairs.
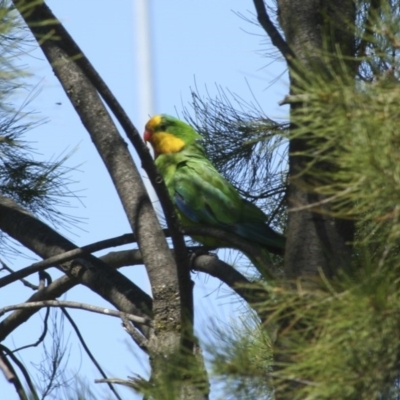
{"points": [[118, 381], [276, 38], [207, 263], [90, 271], [64, 257], [73, 71], [73, 304]]}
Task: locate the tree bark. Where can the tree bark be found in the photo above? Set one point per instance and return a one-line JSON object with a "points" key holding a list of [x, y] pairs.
{"points": [[321, 35]]}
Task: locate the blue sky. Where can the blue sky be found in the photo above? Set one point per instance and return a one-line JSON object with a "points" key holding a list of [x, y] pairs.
{"points": [[203, 43]]}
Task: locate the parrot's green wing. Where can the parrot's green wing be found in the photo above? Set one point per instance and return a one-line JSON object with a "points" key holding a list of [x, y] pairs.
{"points": [[203, 197]]}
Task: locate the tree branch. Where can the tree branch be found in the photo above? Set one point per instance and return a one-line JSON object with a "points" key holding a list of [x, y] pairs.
{"points": [[273, 33], [166, 275], [157, 278], [87, 350], [12, 377], [210, 264], [207, 263], [16, 381], [15, 276], [90, 271], [66, 256], [74, 304], [118, 381], [45, 319], [56, 289], [139, 339]]}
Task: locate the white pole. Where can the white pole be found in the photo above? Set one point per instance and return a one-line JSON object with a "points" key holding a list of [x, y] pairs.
{"points": [[145, 63], [145, 73]]}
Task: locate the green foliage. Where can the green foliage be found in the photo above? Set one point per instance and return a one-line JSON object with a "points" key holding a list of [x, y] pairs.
{"points": [[355, 134], [242, 360], [177, 376], [246, 146], [36, 185], [332, 340], [338, 340]]}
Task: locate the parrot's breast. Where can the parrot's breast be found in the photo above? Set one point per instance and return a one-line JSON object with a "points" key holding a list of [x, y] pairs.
{"points": [[165, 143]]}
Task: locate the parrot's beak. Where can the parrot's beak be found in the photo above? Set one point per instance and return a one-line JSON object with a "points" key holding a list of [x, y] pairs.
{"points": [[146, 136]]}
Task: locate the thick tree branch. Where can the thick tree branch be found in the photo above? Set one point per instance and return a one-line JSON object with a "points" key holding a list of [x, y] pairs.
{"points": [[207, 263], [90, 271], [165, 276], [211, 265]]}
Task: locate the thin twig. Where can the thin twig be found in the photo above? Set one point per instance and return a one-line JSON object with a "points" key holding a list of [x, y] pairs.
{"points": [[45, 319], [323, 201], [140, 340], [24, 372], [117, 381], [87, 350], [24, 281], [11, 376], [67, 256], [73, 304]]}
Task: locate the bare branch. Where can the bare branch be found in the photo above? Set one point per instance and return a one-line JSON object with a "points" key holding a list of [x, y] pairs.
{"points": [[73, 304], [140, 340], [118, 381], [12, 272], [11, 376], [7, 371], [207, 263], [90, 271], [63, 54], [87, 350], [56, 289], [45, 319], [211, 265], [72, 50], [165, 275], [16, 381], [276, 38], [67, 256]]}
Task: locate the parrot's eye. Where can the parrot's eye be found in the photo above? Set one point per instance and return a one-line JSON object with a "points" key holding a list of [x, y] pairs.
{"points": [[163, 127]]}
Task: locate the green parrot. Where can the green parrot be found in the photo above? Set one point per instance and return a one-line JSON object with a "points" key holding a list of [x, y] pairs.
{"points": [[202, 197]]}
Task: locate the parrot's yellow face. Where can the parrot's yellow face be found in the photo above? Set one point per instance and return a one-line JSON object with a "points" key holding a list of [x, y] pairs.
{"points": [[162, 141]]}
